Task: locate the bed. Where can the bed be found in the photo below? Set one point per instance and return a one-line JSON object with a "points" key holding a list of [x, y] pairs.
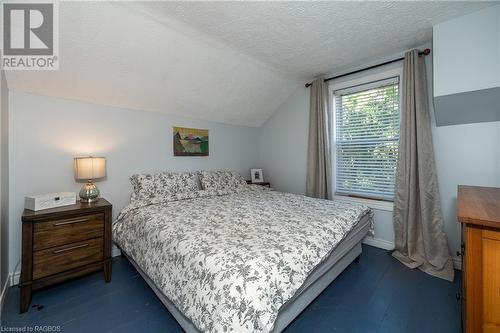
{"points": [[239, 258]]}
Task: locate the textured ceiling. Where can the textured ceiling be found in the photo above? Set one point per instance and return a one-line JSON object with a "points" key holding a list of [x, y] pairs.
{"points": [[306, 39], [231, 62]]}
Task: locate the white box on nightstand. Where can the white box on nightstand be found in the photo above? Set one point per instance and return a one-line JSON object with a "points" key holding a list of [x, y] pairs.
{"points": [[49, 200]]}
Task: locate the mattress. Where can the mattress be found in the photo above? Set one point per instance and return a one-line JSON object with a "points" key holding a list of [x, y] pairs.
{"points": [[231, 261], [351, 240], [320, 278]]}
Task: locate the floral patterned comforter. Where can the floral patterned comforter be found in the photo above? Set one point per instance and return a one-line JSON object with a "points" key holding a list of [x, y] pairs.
{"points": [[230, 259]]}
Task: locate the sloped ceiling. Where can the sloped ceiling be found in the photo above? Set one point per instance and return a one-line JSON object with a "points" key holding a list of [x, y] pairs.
{"points": [[231, 62], [306, 39]]}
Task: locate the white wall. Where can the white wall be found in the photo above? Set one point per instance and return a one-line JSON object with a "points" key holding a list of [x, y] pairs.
{"points": [[283, 144], [465, 154], [46, 133], [474, 65], [4, 182], [467, 75]]}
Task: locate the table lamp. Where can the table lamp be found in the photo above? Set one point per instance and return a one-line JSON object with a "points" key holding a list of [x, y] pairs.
{"points": [[89, 169]]}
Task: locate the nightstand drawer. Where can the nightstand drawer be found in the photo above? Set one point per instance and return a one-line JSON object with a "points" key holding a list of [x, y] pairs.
{"points": [[66, 231], [62, 258]]}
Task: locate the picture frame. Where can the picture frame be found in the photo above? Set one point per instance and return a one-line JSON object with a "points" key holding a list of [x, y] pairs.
{"points": [[257, 175], [190, 141]]}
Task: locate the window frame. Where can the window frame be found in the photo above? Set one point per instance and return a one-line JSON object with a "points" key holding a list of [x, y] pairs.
{"points": [[344, 83]]}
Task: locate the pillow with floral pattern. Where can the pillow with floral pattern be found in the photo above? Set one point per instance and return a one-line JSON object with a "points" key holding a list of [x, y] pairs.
{"points": [[147, 186], [221, 180]]}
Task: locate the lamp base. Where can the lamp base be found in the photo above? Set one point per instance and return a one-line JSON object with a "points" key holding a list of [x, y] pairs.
{"points": [[89, 192], [88, 200]]}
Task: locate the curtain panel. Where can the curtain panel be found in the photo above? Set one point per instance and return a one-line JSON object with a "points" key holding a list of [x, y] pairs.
{"points": [[319, 170], [420, 240]]}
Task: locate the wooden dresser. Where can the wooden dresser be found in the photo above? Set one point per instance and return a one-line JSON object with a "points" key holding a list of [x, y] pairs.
{"points": [[62, 243], [479, 213]]}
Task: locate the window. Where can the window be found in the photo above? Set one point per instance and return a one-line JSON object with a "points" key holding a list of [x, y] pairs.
{"points": [[366, 137]]}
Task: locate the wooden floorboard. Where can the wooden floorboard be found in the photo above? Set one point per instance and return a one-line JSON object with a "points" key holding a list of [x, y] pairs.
{"points": [[378, 294]]}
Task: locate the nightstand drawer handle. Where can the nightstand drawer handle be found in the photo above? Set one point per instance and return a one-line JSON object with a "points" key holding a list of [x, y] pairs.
{"points": [[70, 222], [70, 248]]}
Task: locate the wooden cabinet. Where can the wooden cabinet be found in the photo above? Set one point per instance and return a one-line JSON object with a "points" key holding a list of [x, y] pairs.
{"points": [[62, 243], [479, 213]]}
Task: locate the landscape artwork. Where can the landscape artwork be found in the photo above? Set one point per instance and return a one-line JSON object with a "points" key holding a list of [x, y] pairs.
{"points": [[190, 141]]}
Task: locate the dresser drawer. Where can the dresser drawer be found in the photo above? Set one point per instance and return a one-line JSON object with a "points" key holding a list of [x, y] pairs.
{"points": [[62, 258], [65, 231], [491, 234]]}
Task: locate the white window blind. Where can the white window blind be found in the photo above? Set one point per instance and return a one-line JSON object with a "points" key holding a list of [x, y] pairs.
{"points": [[367, 139]]}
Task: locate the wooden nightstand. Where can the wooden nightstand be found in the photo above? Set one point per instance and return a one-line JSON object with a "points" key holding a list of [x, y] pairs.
{"points": [[266, 184], [63, 243]]}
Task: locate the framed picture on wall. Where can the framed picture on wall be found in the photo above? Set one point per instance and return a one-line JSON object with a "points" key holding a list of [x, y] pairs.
{"points": [[190, 141], [257, 175]]}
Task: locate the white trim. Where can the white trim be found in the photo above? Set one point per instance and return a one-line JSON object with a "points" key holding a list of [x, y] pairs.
{"points": [[343, 83], [368, 85], [387, 245], [374, 204], [115, 251], [3, 294], [457, 263], [378, 242], [15, 278]]}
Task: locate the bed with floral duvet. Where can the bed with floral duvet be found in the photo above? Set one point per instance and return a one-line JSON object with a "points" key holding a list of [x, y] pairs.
{"points": [[228, 255]]}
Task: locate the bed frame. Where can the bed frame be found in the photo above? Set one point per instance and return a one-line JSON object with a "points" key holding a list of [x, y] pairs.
{"points": [[348, 250]]}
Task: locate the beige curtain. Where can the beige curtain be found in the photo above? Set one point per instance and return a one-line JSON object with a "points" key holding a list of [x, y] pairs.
{"points": [[318, 181], [418, 221]]}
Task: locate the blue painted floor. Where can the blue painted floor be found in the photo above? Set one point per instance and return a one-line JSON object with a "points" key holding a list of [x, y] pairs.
{"points": [[378, 294]]}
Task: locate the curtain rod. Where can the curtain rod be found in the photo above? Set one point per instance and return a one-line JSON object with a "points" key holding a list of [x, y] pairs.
{"points": [[424, 52]]}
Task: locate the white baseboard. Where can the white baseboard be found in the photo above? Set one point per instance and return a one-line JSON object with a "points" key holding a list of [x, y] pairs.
{"points": [[387, 245], [3, 294], [378, 242], [115, 251], [14, 278], [457, 263]]}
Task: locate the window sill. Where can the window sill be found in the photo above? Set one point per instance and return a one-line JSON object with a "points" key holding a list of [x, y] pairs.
{"points": [[374, 204]]}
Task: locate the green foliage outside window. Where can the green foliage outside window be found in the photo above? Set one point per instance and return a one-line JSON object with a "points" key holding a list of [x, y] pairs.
{"points": [[367, 141]]}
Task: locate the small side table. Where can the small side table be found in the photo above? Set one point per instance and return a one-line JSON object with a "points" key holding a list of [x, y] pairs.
{"points": [[63, 243], [266, 184]]}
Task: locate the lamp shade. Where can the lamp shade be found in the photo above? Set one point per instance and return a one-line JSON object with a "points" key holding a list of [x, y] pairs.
{"points": [[89, 168]]}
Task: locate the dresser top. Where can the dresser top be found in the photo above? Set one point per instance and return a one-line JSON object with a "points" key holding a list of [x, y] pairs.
{"points": [[30, 215], [479, 205]]}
